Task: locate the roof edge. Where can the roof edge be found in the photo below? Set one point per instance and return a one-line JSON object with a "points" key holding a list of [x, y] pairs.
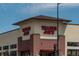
{"points": [[9, 31], [38, 17], [72, 24]]}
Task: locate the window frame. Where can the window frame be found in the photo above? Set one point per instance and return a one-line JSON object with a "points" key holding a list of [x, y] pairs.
{"points": [[13, 54], [73, 44], [4, 47], [13, 46]]}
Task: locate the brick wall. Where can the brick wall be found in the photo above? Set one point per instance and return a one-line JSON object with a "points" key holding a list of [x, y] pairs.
{"points": [[35, 44], [62, 45]]}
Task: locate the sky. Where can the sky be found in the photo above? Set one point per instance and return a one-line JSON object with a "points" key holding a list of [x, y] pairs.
{"points": [[11, 13]]}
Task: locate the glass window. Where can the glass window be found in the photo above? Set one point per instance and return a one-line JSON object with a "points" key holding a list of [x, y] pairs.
{"points": [[5, 47], [0, 48], [6, 53], [12, 46], [69, 52], [13, 53], [74, 53], [0, 53], [77, 52], [72, 43]]}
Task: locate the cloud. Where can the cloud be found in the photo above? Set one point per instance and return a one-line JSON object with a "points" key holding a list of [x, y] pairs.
{"points": [[36, 8], [69, 5], [39, 7]]}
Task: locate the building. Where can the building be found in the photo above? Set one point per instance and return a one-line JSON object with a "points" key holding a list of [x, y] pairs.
{"points": [[38, 36]]}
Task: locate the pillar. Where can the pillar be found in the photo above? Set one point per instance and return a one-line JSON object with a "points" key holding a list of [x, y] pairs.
{"points": [[62, 45], [35, 42]]}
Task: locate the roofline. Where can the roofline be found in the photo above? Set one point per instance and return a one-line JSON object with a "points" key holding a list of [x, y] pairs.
{"points": [[60, 19], [72, 24], [9, 31]]}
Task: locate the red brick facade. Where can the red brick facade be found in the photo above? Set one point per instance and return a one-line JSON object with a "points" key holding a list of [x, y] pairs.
{"points": [[62, 45], [35, 45]]}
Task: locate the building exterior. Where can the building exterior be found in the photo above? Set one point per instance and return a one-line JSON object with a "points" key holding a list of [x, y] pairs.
{"points": [[37, 36]]}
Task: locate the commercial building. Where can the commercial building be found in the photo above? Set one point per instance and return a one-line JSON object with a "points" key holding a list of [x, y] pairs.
{"points": [[38, 36]]}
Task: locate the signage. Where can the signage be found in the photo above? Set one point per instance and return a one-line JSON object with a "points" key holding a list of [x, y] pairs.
{"points": [[49, 29], [26, 30]]}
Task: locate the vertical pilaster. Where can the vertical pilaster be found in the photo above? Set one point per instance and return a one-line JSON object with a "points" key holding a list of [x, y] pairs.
{"points": [[35, 40], [62, 45]]}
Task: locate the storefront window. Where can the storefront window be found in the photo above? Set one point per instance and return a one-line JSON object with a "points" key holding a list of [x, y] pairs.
{"points": [[78, 53], [13, 53], [73, 52], [69, 52], [0, 53], [5, 47], [0, 48], [72, 43], [6, 53], [12, 46]]}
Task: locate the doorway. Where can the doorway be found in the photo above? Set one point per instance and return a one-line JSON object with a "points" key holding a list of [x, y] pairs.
{"points": [[25, 53], [46, 53]]}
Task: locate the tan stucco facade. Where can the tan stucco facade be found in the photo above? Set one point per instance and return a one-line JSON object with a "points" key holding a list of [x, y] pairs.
{"points": [[71, 35], [9, 38]]}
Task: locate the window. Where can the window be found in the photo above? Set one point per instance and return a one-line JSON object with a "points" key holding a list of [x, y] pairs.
{"points": [[6, 53], [72, 43], [78, 53], [69, 52], [73, 52], [12, 46], [13, 53], [0, 53], [5, 47], [0, 48], [25, 53]]}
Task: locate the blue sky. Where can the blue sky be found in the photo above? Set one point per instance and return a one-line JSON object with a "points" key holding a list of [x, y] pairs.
{"points": [[11, 13]]}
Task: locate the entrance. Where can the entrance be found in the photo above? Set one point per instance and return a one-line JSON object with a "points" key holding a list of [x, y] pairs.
{"points": [[25, 53], [46, 53]]}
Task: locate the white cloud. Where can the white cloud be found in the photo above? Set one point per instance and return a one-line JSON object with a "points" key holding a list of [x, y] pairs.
{"points": [[36, 8], [69, 4]]}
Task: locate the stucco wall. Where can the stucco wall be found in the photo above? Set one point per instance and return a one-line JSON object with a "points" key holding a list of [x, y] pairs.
{"points": [[8, 39], [24, 25], [38, 28], [71, 35]]}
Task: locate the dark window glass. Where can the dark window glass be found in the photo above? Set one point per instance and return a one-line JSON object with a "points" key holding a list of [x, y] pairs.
{"points": [[73, 52], [13, 53], [72, 43], [13, 46], [25, 53], [77, 52], [6, 53], [5, 47], [0, 48], [0, 53], [69, 52]]}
